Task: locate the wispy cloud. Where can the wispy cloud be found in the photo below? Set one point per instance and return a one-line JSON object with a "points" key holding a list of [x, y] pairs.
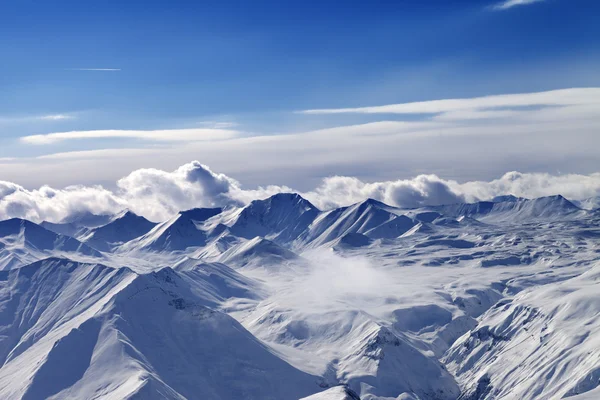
{"points": [[16, 119], [55, 117], [464, 139], [513, 3], [93, 69], [564, 97], [167, 135]]}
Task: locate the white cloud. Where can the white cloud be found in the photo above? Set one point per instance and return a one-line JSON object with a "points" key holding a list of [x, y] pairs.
{"points": [[513, 3], [563, 97], [158, 194], [56, 117], [154, 135], [94, 69], [35, 118], [457, 141]]}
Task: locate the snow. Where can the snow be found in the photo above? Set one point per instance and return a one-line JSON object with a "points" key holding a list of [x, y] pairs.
{"points": [[121, 228], [280, 300]]}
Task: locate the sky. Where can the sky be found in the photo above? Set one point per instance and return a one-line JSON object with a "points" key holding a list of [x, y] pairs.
{"points": [[291, 93]]}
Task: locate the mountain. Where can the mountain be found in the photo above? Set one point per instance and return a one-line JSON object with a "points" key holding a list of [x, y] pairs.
{"points": [[122, 228], [72, 330], [335, 393], [280, 218], [514, 210], [87, 219], [592, 203], [78, 223], [178, 233], [539, 344], [69, 229], [216, 282], [257, 251], [491, 300], [370, 217], [22, 241]]}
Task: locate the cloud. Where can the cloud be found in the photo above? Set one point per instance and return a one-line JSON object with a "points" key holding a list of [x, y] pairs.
{"points": [[56, 117], [35, 118], [94, 69], [159, 194], [513, 3], [563, 97], [153, 135], [457, 140]]}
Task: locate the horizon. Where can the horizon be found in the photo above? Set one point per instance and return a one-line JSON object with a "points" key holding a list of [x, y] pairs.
{"points": [[158, 195]]}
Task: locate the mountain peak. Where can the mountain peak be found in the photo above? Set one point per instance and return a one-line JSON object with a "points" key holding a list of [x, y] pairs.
{"points": [[506, 198], [281, 218], [285, 198], [200, 214]]}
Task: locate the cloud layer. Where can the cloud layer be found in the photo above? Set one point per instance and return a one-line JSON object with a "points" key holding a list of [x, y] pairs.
{"points": [[556, 98], [159, 194], [465, 139], [165, 135]]}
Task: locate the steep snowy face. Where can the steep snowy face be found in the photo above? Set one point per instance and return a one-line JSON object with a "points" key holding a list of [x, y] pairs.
{"points": [[122, 228], [72, 330], [371, 217], [22, 242], [280, 218], [541, 343], [257, 252], [180, 232], [335, 393]]}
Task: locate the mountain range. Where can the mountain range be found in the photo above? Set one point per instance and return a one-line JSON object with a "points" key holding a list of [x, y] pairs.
{"points": [[280, 300]]}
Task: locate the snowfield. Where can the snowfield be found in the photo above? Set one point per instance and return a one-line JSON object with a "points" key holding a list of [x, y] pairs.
{"points": [[280, 300]]}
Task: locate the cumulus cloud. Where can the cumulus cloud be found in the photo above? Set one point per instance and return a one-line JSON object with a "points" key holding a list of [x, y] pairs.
{"points": [[159, 194], [51, 204]]}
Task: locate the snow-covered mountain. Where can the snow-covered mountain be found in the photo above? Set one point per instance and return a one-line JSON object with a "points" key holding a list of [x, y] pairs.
{"points": [[72, 330], [121, 228], [22, 242], [515, 210], [280, 218], [281, 300], [180, 232]]}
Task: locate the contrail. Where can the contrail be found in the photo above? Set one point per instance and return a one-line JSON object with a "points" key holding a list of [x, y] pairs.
{"points": [[92, 69]]}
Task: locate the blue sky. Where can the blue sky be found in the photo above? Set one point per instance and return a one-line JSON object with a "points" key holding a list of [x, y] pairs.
{"points": [[249, 66]]}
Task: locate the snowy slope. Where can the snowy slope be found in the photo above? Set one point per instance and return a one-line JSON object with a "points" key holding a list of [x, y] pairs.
{"points": [[335, 393], [515, 210], [540, 343], [122, 228], [79, 331], [180, 232], [22, 242], [493, 300], [280, 218], [371, 217], [69, 229], [257, 251]]}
